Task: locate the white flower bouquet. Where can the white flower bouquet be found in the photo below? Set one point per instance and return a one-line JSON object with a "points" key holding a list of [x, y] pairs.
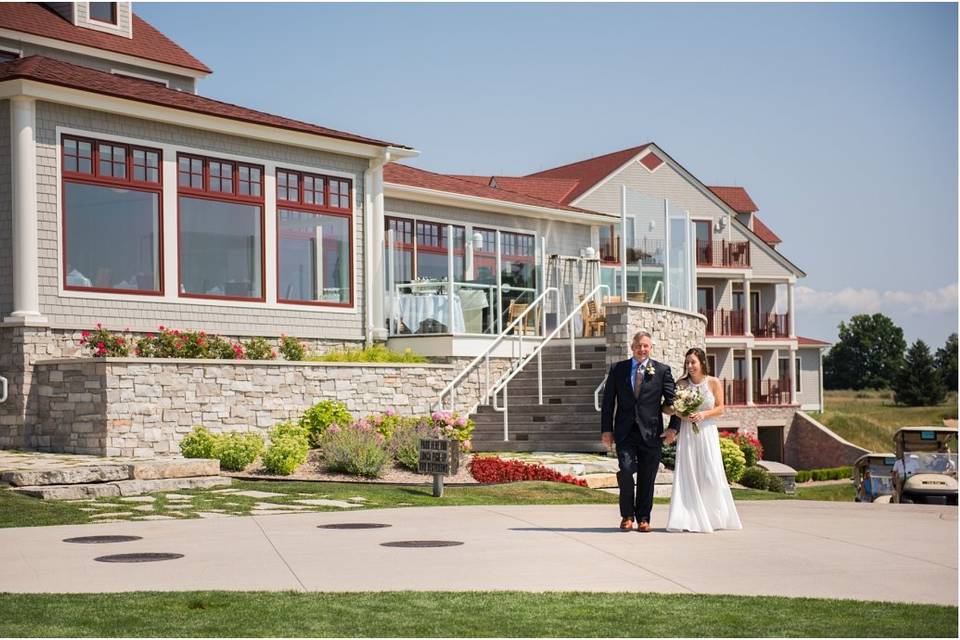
{"points": [[686, 403]]}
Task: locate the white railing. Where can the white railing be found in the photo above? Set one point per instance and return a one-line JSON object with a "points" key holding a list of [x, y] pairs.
{"points": [[538, 304], [3, 389], [596, 393], [501, 384]]}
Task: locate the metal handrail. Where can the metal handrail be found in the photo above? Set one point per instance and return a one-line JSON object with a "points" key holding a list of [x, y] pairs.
{"points": [[485, 356], [596, 393], [501, 384], [3, 385]]}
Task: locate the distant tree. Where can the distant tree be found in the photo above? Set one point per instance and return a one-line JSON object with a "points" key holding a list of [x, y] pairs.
{"points": [[918, 384], [947, 362], [867, 356]]}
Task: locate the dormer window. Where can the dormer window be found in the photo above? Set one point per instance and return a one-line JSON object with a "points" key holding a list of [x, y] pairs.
{"points": [[103, 12]]}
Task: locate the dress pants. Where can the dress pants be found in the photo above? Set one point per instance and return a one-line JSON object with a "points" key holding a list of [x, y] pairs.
{"points": [[643, 459]]}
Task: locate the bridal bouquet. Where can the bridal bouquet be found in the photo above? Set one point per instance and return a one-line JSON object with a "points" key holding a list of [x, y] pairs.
{"points": [[686, 403]]}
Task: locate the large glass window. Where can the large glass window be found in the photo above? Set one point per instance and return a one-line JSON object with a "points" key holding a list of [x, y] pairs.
{"points": [[111, 217], [221, 229], [315, 251], [518, 255]]}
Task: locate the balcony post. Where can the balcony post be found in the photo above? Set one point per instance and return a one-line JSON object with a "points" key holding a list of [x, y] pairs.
{"points": [[790, 313], [749, 364], [747, 329], [793, 375]]}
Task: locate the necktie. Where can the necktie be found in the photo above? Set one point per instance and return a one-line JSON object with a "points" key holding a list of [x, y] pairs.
{"points": [[637, 380]]}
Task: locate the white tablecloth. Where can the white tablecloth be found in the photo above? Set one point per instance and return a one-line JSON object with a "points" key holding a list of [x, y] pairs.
{"points": [[415, 308]]}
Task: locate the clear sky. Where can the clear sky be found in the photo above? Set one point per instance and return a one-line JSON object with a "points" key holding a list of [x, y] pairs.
{"points": [[839, 119]]}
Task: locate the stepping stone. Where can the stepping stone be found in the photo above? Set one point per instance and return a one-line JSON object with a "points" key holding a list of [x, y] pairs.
{"points": [[158, 469], [139, 499], [77, 475], [257, 494], [329, 503], [145, 507], [225, 491], [155, 517], [269, 505], [177, 496], [112, 514], [88, 509], [211, 514], [357, 499]]}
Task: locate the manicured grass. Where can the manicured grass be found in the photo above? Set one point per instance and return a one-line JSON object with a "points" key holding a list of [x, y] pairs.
{"points": [[461, 614], [21, 511], [826, 492], [870, 418]]}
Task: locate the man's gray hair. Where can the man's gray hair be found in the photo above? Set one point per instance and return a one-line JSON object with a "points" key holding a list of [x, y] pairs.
{"points": [[641, 334]]}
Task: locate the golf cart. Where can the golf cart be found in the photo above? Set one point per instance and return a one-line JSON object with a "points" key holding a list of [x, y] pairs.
{"points": [[925, 471], [871, 477]]}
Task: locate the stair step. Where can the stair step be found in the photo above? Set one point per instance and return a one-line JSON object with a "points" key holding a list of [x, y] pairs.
{"points": [[566, 406], [108, 472], [120, 487]]}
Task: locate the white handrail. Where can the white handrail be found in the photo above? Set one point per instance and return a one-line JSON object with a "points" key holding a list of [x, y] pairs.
{"points": [[596, 393], [485, 356], [3, 384]]}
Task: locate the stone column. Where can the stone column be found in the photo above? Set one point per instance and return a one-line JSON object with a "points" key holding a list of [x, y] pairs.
{"points": [[374, 233], [26, 282]]}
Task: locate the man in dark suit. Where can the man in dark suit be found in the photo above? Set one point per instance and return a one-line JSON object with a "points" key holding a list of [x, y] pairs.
{"points": [[636, 391]]}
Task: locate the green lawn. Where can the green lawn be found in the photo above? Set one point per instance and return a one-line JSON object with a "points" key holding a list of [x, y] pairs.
{"points": [[825, 492], [461, 614], [870, 418]]}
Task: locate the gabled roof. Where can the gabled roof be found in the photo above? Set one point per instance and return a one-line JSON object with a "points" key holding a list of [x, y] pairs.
{"points": [[588, 173], [764, 233], [810, 342], [401, 174], [552, 189], [65, 74], [736, 198], [147, 42]]}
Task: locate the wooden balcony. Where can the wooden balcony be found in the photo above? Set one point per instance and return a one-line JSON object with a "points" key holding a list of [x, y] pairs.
{"points": [[767, 392], [724, 322], [735, 392], [772, 325], [721, 253]]}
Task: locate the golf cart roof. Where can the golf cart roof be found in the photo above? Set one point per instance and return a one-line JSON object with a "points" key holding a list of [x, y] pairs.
{"points": [[873, 456]]}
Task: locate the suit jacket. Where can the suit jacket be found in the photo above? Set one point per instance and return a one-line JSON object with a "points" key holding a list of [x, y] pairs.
{"points": [[622, 410]]}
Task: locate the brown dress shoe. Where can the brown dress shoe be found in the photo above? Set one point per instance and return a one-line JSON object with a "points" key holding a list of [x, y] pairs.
{"points": [[626, 524], [643, 527]]}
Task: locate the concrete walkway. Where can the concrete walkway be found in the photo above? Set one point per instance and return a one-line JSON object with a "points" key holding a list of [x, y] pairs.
{"points": [[790, 548]]}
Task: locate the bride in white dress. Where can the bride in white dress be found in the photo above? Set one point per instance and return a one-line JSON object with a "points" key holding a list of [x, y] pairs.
{"points": [[701, 500]]}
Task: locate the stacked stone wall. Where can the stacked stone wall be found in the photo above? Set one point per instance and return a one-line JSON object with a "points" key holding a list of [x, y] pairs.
{"points": [[673, 331]]}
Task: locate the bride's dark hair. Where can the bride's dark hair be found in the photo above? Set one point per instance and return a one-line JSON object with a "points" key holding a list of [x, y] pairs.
{"points": [[701, 357]]}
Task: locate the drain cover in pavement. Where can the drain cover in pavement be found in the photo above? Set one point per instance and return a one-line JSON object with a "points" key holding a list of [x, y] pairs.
{"points": [[102, 539], [421, 543], [353, 525], [139, 557]]}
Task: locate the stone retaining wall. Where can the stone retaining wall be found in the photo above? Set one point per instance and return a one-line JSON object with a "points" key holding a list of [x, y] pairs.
{"points": [[674, 331], [747, 419], [810, 445], [142, 408]]}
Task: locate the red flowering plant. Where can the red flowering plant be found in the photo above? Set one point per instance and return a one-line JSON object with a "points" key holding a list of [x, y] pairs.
{"points": [[750, 446], [490, 469], [173, 343], [102, 343]]}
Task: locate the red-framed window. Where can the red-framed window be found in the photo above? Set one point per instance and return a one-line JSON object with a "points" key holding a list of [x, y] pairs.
{"points": [[112, 217], [315, 239], [103, 12], [518, 252], [420, 249], [221, 229]]}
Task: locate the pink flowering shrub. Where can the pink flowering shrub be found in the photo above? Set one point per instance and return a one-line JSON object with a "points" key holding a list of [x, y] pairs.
{"points": [[358, 449], [103, 344], [452, 425]]}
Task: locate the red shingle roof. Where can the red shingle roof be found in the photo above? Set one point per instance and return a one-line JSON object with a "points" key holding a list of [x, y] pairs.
{"points": [[57, 72], [552, 189], [736, 198], [402, 174], [801, 341], [589, 172], [147, 42], [764, 233]]}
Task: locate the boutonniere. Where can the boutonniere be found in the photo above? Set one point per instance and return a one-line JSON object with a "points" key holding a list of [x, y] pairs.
{"points": [[650, 370]]}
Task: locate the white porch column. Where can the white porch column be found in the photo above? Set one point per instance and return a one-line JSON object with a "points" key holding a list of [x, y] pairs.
{"points": [[793, 373], [747, 311], [790, 309], [26, 282], [375, 249], [749, 362]]}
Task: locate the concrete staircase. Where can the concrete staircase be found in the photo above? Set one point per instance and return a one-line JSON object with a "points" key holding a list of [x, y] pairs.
{"points": [[567, 419], [111, 478]]}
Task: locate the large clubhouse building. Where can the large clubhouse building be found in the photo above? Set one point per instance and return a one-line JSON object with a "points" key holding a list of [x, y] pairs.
{"points": [[133, 201]]}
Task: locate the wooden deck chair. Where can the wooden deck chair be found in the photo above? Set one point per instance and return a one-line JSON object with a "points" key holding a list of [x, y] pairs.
{"points": [[594, 321], [515, 310]]}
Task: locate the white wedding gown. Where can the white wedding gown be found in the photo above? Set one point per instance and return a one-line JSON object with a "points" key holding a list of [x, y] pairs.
{"points": [[701, 500]]}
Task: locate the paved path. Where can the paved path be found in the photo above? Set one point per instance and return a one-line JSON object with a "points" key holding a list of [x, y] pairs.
{"points": [[790, 548]]}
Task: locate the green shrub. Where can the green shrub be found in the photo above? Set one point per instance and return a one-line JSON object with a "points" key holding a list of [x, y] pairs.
{"points": [[237, 450], [405, 442], [317, 418], [288, 430], [221, 349], [375, 353], [754, 477], [775, 484], [291, 348], [285, 454], [259, 349], [199, 443], [172, 343], [356, 449], [668, 455], [734, 462], [831, 473]]}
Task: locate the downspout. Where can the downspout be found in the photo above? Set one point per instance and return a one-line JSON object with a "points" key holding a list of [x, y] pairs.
{"points": [[373, 245]]}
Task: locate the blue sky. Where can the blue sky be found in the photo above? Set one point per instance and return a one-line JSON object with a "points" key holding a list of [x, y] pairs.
{"points": [[839, 119]]}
